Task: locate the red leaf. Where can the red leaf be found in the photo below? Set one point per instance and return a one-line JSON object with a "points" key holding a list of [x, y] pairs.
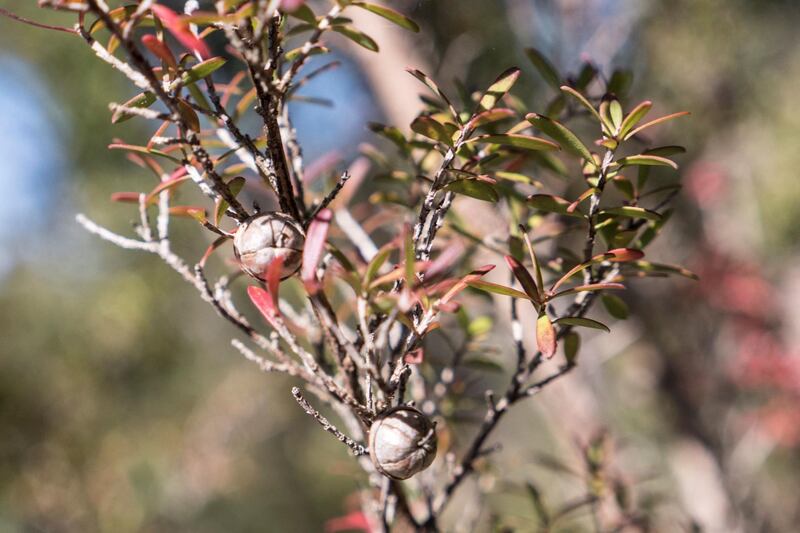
{"points": [[524, 277], [211, 247], [461, 284], [180, 29], [414, 357], [159, 49], [314, 248], [274, 281], [355, 520], [622, 255], [125, 197], [546, 336], [264, 303], [291, 5]]}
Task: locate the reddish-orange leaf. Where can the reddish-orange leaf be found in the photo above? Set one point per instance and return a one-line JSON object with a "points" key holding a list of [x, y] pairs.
{"points": [[263, 302], [314, 248], [546, 336], [180, 29], [159, 49], [461, 284]]}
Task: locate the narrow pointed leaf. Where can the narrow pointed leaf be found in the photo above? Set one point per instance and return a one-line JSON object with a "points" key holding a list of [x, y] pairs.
{"points": [[475, 275], [262, 300], [647, 160], [583, 322], [524, 277], [552, 204], [375, 264], [480, 190], [498, 89], [655, 122], [432, 129], [544, 66], [615, 306], [487, 117], [516, 140], [314, 248], [495, 288], [180, 29], [389, 14], [582, 100], [589, 287], [141, 100], [201, 70], [430, 84], [632, 212], [633, 118], [568, 140], [358, 37], [572, 344]]}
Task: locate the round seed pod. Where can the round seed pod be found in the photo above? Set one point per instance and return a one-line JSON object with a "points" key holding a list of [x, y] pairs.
{"points": [[402, 442], [265, 237]]}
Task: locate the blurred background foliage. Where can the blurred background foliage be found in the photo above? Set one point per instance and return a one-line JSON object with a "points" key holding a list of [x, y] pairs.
{"points": [[124, 408]]}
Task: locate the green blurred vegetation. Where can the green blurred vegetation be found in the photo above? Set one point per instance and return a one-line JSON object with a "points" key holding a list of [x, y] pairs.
{"points": [[124, 408]]}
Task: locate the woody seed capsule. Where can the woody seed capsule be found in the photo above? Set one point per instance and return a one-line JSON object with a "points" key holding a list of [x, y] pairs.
{"points": [[263, 238], [402, 442]]}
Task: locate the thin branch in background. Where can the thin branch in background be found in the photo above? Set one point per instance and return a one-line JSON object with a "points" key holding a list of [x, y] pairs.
{"points": [[331, 196], [23, 20], [356, 448]]}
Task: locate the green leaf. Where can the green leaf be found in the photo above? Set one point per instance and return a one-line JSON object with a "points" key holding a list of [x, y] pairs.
{"points": [[615, 306], [582, 100], [474, 188], [375, 265], [568, 140], [293, 54], [516, 140], [655, 122], [480, 326], [633, 118], [585, 76], [615, 112], [143, 150], [428, 127], [665, 151], [430, 84], [582, 322], [487, 117], [647, 160], [201, 70], [487, 286], [391, 133], [389, 14], [304, 13], [235, 186], [647, 266], [358, 37], [409, 259], [619, 83], [545, 67], [141, 100], [552, 204], [498, 89], [632, 212], [588, 288], [572, 344]]}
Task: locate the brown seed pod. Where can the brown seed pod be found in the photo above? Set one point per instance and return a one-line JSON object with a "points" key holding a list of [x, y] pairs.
{"points": [[402, 442], [265, 237]]}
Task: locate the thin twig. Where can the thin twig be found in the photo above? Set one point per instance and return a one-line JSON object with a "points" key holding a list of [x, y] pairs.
{"points": [[356, 448]]}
